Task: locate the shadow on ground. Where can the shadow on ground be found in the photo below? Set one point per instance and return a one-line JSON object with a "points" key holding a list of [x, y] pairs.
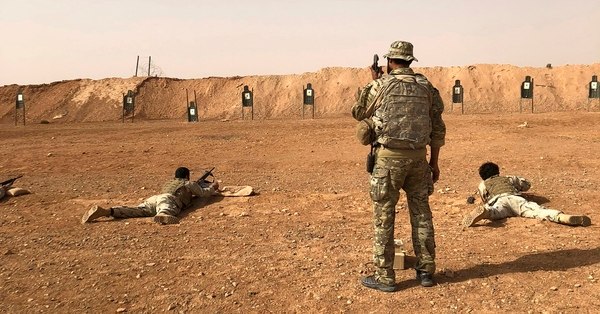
{"points": [[546, 261]]}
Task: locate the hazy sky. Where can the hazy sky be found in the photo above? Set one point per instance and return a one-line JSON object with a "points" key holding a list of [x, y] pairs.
{"points": [[52, 40]]}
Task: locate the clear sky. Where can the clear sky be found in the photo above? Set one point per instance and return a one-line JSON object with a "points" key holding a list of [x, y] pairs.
{"points": [[52, 40]]}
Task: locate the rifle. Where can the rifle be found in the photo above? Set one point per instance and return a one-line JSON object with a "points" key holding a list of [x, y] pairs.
{"points": [[375, 65], [202, 181], [9, 182]]}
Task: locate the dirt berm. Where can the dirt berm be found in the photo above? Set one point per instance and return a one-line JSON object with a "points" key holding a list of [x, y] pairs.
{"points": [[487, 88]]}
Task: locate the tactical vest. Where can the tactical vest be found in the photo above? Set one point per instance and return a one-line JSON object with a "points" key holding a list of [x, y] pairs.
{"points": [[403, 119], [177, 188], [499, 185], [172, 186]]}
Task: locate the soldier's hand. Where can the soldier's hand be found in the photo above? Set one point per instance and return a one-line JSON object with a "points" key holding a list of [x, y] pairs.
{"points": [[376, 74], [215, 185], [435, 173], [471, 200]]}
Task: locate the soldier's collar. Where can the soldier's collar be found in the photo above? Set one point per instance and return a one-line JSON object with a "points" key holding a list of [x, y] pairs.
{"points": [[402, 71]]}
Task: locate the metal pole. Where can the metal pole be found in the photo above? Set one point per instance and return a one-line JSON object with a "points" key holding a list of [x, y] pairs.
{"points": [[123, 113], [531, 103], [520, 105], [149, 63], [314, 104], [303, 102], [252, 113], [532, 94], [197, 106], [137, 64]]}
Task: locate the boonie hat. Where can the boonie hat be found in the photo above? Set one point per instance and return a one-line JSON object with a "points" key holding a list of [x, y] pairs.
{"points": [[401, 50]]}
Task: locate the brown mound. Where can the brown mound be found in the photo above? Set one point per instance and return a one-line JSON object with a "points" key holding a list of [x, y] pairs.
{"points": [[488, 88]]}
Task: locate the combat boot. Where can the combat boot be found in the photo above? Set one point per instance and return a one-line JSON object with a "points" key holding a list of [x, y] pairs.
{"points": [[95, 212], [573, 220], [475, 215], [373, 283], [165, 219], [425, 278]]}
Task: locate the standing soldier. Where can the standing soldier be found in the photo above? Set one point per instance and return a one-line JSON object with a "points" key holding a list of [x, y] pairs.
{"points": [[400, 114]]}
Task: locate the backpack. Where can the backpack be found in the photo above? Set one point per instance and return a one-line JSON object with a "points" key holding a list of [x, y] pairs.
{"points": [[403, 119]]}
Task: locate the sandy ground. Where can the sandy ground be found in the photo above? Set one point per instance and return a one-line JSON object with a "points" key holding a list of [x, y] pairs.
{"points": [[304, 241]]}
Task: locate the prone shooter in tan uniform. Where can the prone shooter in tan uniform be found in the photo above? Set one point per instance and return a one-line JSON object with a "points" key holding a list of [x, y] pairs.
{"points": [[501, 196], [177, 194]]}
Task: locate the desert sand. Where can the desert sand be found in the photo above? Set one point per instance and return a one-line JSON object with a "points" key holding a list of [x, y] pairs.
{"points": [[303, 242]]}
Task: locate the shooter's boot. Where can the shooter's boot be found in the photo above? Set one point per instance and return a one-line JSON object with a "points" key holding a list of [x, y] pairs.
{"points": [[95, 212], [165, 219], [475, 215], [573, 220]]}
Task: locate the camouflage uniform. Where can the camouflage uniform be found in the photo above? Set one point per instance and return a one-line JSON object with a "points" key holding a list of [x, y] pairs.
{"points": [[501, 197], [403, 166], [177, 195]]}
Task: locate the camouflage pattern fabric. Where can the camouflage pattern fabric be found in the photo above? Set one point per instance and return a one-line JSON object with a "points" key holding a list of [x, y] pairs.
{"points": [[401, 50], [414, 177], [514, 205], [402, 120], [500, 195], [371, 96], [157, 204], [497, 186], [173, 185], [409, 170], [166, 203]]}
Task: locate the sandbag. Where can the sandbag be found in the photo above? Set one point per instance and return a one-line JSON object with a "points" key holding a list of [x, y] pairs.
{"points": [[17, 192], [235, 190]]}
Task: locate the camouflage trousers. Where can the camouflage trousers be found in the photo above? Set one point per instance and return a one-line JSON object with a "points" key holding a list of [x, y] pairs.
{"points": [[157, 204], [514, 205], [414, 177]]}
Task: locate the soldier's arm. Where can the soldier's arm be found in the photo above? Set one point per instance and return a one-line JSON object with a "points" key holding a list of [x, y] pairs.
{"points": [[482, 191], [365, 105], [520, 183], [197, 190], [438, 131]]}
